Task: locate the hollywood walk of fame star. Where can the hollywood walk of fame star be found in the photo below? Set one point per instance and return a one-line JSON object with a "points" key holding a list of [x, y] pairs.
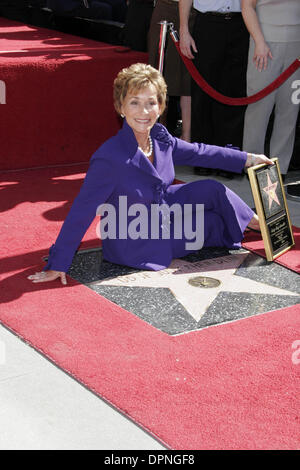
{"points": [[270, 190], [196, 300]]}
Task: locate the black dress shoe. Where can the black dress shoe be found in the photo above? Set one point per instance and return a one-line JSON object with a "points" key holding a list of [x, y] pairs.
{"points": [[226, 174], [293, 191], [294, 166], [198, 170]]}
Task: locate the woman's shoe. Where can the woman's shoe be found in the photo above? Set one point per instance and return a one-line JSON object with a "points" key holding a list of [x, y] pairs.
{"points": [[252, 229]]}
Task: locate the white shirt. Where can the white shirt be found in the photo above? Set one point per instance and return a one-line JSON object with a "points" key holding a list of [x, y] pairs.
{"points": [[223, 6]]}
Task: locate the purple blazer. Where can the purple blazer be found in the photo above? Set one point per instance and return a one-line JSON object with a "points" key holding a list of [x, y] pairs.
{"points": [[119, 168]]}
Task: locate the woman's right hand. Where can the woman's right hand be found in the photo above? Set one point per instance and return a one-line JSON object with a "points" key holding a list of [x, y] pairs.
{"points": [[255, 159], [45, 276], [187, 45]]}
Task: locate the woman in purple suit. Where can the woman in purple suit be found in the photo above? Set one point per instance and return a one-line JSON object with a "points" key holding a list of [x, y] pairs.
{"points": [[148, 220]]}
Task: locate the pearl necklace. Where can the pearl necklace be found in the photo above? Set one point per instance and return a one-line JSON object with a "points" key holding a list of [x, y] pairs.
{"points": [[147, 154]]}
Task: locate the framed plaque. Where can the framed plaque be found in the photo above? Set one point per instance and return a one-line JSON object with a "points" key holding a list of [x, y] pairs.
{"points": [[271, 207]]}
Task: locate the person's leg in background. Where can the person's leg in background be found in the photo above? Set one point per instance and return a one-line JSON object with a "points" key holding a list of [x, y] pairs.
{"points": [[208, 61], [229, 119], [211, 34], [222, 60], [185, 106], [258, 114], [137, 23], [286, 111], [119, 9], [175, 73], [98, 11], [73, 8], [295, 160]]}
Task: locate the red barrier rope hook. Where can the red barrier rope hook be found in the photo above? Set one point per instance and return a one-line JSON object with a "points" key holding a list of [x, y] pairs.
{"points": [[226, 99]]}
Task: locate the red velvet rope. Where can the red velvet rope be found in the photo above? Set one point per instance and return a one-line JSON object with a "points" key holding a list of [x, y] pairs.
{"points": [[235, 101]]}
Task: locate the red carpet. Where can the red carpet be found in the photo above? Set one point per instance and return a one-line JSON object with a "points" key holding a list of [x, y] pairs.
{"points": [[58, 95], [290, 259], [233, 386]]}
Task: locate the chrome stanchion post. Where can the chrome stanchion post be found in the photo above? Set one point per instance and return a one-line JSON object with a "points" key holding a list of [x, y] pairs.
{"points": [[164, 25], [162, 43]]}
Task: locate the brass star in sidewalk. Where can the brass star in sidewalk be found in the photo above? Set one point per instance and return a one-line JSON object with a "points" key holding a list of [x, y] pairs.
{"points": [[195, 299]]}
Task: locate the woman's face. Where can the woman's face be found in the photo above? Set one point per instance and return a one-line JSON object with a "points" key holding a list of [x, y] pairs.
{"points": [[141, 109]]}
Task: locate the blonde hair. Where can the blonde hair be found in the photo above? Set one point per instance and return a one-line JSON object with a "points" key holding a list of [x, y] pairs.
{"points": [[136, 77]]}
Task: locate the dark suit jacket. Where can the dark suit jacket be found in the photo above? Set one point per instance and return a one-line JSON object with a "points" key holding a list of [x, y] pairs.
{"points": [[119, 168]]}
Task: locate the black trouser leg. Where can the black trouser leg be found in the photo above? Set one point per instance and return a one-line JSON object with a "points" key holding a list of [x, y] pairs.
{"points": [[222, 60]]}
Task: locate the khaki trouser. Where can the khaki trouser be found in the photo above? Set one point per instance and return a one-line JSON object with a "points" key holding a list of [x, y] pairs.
{"points": [[286, 111]]}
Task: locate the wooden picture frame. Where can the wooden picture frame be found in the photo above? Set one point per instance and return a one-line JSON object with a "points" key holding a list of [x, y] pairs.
{"points": [[272, 210]]}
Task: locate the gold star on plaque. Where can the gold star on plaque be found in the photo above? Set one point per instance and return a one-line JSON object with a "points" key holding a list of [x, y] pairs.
{"points": [[270, 190]]}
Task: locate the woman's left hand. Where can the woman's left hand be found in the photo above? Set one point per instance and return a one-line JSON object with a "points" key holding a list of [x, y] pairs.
{"points": [[261, 55], [254, 159]]}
